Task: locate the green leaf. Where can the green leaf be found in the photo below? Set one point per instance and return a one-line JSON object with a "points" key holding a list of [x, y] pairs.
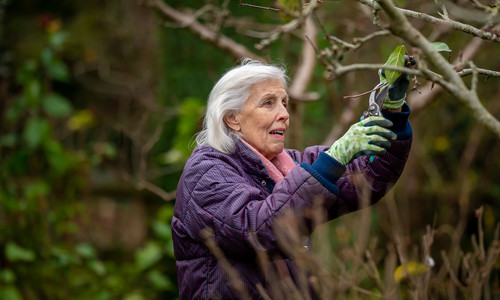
{"points": [[35, 132], [8, 140], [85, 250], [56, 105], [162, 230], [58, 70], [148, 255], [57, 39], [55, 67], [32, 92], [36, 189], [27, 71], [441, 47], [57, 156], [14, 252], [64, 257], [160, 281], [81, 120], [189, 119], [46, 56], [103, 295], [98, 267], [10, 293], [396, 59], [7, 276], [15, 110], [165, 213]]}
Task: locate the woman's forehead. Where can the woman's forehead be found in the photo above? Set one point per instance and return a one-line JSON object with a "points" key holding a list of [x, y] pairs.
{"points": [[268, 86]]}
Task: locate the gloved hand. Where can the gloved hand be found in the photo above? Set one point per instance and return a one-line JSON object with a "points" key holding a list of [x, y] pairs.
{"points": [[397, 90], [369, 136]]}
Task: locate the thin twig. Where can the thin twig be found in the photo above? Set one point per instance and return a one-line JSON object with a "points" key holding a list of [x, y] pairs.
{"points": [[489, 73], [479, 215], [362, 94], [259, 7], [474, 77], [208, 237], [221, 41], [453, 277], [288, 27], [222, 17]]}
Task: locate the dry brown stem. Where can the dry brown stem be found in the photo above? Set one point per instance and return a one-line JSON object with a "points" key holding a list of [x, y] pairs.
{"points": [[347, 276], [207, 235]]}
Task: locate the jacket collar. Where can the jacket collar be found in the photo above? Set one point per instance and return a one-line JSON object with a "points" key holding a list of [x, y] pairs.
{"points": [[250, 161]]}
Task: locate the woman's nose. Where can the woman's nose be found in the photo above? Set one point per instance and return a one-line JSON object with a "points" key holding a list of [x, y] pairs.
{"points": [[283, 113]]}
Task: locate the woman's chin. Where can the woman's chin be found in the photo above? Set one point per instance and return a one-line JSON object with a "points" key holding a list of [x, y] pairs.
{"points": [[276, 150]]}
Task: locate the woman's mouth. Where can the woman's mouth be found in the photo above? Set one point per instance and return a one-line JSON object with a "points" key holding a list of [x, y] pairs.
{"points": [[278, 133]]}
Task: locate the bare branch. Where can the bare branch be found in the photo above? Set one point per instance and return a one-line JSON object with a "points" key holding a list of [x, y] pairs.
{"points": [[342, 70], [433, 20], [148, 186], [304, 72], [418, 102], [474, 77], [290, 26], [221, 41], [401, 27], [489, 73]]}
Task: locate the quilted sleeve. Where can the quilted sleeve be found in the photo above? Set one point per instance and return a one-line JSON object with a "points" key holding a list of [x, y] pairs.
{"points": [[379, 173]]}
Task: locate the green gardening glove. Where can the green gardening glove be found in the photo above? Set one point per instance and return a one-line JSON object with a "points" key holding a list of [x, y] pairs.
{"points": [[397, 90], [369, 136]]}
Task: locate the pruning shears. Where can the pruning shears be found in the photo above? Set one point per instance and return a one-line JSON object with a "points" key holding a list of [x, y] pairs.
{"points": [[377, 97]]}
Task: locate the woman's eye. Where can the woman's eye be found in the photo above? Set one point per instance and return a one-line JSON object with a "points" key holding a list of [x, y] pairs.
{"points": [[267, 102]]}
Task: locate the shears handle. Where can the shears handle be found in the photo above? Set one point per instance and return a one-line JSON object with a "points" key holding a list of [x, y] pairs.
{"points": [[377, 97]]}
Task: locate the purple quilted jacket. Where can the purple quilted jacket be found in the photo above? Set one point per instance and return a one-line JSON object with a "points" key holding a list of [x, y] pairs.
{"points": [[234, 195]]}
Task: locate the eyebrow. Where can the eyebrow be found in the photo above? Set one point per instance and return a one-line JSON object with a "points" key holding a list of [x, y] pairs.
{"points": [[268, 95], [273, 95]]}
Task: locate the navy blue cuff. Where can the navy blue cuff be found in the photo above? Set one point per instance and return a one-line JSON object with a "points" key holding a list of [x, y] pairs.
{"points": [[401, 125], [326, 170]]}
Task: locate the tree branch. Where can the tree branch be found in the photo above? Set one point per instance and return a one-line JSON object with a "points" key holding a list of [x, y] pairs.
{"points": [[428, 93], [489, 73], [290, 26], [305, 70], [224, 43], [401, 27], [486, 35]]}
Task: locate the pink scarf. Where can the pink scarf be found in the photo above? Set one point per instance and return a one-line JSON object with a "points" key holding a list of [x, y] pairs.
{"points": [[278, 167]]}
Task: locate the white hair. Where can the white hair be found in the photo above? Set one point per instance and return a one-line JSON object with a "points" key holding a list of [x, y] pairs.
{"points": [[228, 97]]}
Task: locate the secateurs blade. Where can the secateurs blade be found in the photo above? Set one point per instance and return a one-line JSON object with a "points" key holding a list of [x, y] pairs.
{"points": [[377, 97]]}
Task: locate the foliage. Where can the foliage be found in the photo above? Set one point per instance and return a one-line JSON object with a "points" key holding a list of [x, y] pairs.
{"points": [[46, 188], [101, 100]]}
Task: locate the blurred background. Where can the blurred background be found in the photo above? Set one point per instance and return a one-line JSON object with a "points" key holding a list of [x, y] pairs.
{"points": [[99, 102]]}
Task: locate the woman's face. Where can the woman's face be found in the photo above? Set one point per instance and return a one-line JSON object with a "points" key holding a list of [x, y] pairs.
{"points": [[264, 118]]}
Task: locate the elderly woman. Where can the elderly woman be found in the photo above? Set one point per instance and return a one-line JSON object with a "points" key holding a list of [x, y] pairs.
{"points": [[240, 178]]}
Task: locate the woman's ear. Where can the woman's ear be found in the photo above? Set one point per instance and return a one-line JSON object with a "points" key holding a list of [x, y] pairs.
{"points": [[232, 122]]}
